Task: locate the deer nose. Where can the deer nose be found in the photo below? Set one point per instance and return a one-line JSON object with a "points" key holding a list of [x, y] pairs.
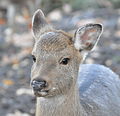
{"points": [[38, 84]]}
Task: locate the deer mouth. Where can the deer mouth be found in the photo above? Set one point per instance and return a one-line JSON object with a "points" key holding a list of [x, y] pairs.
{"points": [[45, 92], [41, 93]]}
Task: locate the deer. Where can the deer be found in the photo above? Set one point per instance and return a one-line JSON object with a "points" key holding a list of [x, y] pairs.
{"points": [[63, 85]]}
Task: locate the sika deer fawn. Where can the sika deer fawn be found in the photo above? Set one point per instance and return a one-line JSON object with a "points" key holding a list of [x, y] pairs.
{"points": [[54, 76]]}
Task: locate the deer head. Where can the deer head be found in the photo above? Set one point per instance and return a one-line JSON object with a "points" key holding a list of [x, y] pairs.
{"points": [[57, 55]]}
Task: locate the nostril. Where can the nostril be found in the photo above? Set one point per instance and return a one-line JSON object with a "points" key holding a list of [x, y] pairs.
{"points": [[38, 84]]}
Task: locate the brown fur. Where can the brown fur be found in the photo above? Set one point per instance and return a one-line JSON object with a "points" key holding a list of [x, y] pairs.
{"points": [[50, 48]]}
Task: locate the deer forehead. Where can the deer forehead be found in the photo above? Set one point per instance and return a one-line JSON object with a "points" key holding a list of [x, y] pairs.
{"points": [[53, 42]]}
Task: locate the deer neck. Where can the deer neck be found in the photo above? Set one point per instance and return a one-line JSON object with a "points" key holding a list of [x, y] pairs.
{"points": [[65, 105]]}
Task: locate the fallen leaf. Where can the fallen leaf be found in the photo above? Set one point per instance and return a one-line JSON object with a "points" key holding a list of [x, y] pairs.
{"points": [[8, 82]]}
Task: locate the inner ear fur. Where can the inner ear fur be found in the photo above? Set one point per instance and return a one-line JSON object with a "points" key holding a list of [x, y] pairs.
{"points": [[86, 37]]}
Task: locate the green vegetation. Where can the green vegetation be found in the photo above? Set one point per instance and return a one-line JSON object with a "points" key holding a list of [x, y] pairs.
{"points": [[48, 5]]}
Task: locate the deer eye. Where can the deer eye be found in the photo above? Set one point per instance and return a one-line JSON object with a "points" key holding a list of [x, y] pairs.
{"points": [[65, 61], [34, 58]]}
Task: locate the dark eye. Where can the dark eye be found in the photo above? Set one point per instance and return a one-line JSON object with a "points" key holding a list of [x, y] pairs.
{"points": [[65, 61], [33, 57]]}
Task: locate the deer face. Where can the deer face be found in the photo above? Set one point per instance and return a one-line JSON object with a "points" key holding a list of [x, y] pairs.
{"points": [[57, 56]]}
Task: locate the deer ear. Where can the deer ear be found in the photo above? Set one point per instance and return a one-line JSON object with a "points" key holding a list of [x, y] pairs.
{"points": [[86, 38], [39, 24]]}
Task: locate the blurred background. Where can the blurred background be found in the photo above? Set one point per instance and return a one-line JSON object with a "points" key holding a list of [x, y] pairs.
{"points": [[16, 43]]}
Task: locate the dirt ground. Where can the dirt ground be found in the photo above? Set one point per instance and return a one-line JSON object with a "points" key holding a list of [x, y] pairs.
{"points": [[16, 98]]}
